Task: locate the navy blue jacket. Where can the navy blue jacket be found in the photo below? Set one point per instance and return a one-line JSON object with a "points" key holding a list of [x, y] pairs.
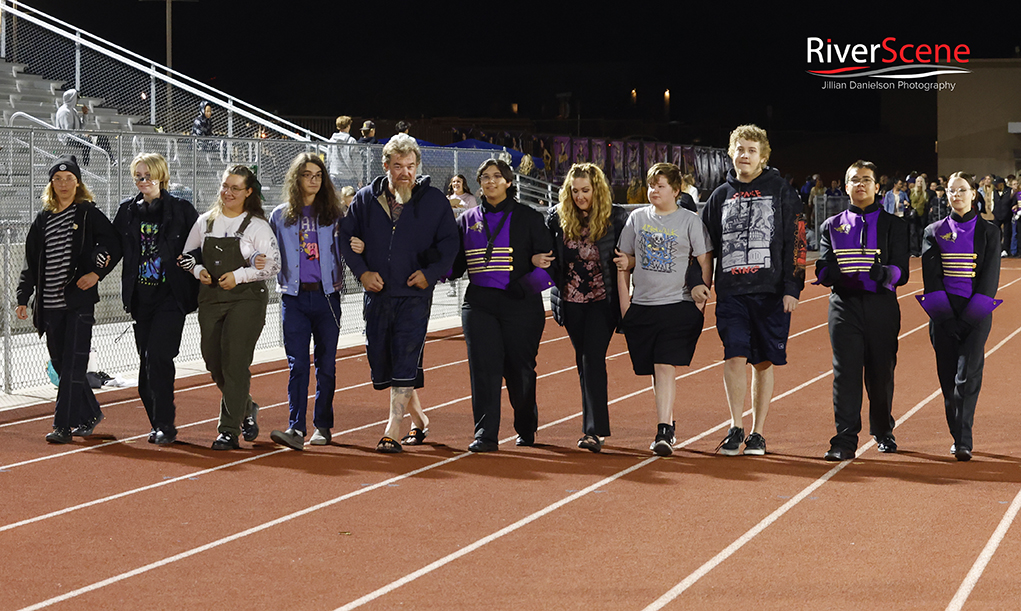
{"points": [[425, 237]]}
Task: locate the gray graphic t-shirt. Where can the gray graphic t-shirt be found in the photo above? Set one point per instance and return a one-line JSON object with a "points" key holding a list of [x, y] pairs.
{"points": [[662, 245]]}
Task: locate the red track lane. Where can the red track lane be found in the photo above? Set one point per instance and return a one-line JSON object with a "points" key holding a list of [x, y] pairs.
{"points": [[323, 528]]}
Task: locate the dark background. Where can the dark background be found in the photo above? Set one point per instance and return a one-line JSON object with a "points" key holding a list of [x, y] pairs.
{"points": [[724, 64]]}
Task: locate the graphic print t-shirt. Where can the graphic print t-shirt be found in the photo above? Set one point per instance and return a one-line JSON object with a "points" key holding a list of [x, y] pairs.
{"points": [[663, 247], [150, 265], [747, 221], [308, 237]]}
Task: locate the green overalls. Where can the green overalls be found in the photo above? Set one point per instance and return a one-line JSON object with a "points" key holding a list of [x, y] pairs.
{"points": [[230, 322]]}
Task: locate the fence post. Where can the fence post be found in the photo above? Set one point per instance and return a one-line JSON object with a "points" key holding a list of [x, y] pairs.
{"points": [[78, 61], [194, 172], [230, 118], [31, 166], [120, 156], [8, 352], [152, 95], [3, 31]]}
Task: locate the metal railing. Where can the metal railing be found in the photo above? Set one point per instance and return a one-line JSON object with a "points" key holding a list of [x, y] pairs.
{"points": [[196, 166], [536, 192], [124, 79]]}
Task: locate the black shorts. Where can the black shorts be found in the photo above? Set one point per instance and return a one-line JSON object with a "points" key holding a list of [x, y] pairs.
{"points": [[753, 326], [662, 335], [395, 329]]}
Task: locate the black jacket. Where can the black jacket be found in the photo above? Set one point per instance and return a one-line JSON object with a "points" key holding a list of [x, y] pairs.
{"points": [[607, 244], [758, 234], [92, 233], [177, 216]]}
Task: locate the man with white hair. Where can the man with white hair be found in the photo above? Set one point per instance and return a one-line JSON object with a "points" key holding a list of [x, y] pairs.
{"points": [[410, 240]]}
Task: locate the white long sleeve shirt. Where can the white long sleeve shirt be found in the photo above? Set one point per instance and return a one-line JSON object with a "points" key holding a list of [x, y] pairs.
{"points": [[257, 239]]}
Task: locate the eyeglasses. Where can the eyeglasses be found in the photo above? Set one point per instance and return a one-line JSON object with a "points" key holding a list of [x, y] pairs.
{"points": [[65, 180], [312, 177], [490, 177], [146, 178], [958, 191], [232, 189], [864, 180]]}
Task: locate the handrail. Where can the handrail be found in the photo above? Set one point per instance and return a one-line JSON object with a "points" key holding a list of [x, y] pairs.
{"points": [[24, 115], [150, 68], [88, 143]]}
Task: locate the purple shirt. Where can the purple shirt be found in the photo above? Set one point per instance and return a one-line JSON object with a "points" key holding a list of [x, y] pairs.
{"points": [[308, 237]]}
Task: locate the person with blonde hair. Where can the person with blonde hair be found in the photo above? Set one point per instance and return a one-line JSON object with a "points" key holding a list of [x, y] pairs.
{"points": [[758, 230], [310, 282], [233, 296], [585, 228], [960, 273], [153, 226], [70, 247]]}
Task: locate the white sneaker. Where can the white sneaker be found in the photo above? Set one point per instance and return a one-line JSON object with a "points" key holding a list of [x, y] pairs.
{"points": [[1003, 254], [321, 437]]}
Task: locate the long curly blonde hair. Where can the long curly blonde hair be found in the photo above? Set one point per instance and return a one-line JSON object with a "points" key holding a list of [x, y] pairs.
{"points": [[571, 219]]}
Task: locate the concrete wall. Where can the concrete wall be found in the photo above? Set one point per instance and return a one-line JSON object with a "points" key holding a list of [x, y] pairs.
{"points": [[972, 119]]}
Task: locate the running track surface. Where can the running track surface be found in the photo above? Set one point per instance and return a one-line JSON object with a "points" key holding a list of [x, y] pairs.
{"points": [[116, 523]]}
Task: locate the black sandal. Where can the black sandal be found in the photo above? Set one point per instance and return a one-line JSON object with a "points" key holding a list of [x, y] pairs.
{"points": [[415, 437], [389, 445], [590, 443]]}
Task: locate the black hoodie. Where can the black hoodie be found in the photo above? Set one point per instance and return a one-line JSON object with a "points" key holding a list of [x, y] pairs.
{"points": [[758, 235]]}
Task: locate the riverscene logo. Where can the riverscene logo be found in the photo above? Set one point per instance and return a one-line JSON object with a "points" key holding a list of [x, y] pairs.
{"points": [[885, 65]]}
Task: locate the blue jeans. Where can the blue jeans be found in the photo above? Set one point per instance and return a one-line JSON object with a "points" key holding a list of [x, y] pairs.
{"points": [[311, 315]]}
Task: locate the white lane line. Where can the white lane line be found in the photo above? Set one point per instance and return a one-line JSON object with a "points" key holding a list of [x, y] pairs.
{"points": [[209, 384], [190, 424], [283, 519], [994, 542], [716, 560]]}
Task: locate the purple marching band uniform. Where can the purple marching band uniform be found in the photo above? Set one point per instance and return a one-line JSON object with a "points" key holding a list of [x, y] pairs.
{"points": [[961, 270], [863, 256], [503, 314]]}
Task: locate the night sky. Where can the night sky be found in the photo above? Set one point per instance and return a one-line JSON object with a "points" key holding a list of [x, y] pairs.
{"points": [[723, 63]]}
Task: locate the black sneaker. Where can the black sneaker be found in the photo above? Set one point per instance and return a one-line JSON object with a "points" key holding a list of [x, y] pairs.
{"points": [[249, 427], [663, 445], [731, 444], [226, 441], [152, 436], [59, 436], [755, 445], [86, 429]]}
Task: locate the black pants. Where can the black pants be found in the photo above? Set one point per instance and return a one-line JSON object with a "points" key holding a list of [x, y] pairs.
{"points": [[158, 339], [590, 327], [863, 334], [959, 364], [1006, 232], [502, 336], [68, 339]]}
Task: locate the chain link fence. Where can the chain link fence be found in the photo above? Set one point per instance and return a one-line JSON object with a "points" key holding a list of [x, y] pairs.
{"points": [[196, 167], [118, 88]]}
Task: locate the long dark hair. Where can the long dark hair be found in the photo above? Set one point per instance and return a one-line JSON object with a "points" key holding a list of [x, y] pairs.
{"points": [[326, 204], [253, 203], [450, 184]]}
